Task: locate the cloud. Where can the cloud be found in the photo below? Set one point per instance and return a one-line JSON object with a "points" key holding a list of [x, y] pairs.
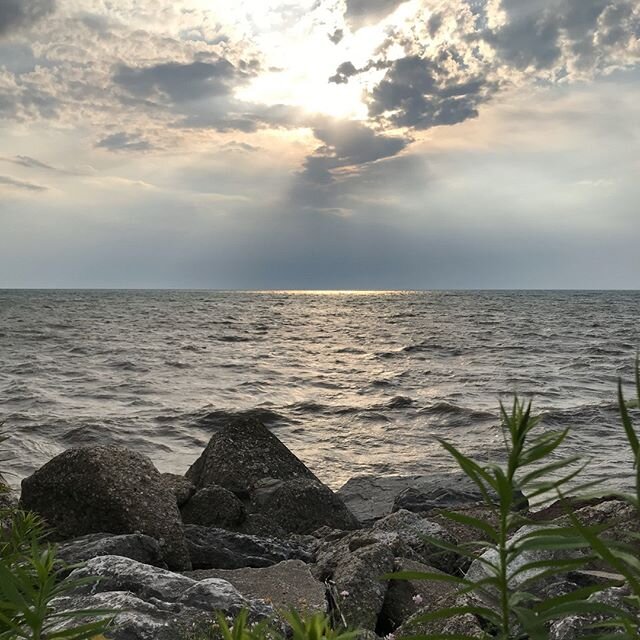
{"points": [[244, 147], [421, 94], [461, 54], [19, 14], [200, 95], [348, 151], [564, 35], [345, 71], [179, 82], [21, 184], [124, 142], [31, 163], [337, 36], [363, 12]]}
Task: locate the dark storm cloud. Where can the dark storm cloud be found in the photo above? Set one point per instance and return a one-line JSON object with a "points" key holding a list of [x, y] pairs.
{"points": [[420, 94], [179, 82], [21, 184], [124, 142], [18, 14], [362, 12]]}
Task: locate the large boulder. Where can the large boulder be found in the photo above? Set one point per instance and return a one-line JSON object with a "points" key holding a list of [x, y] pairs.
{"points": [[409, 536], [359, 587], [131, 545], [107, 489], [214, 506], [533, 580], [402, 533], [153, 604], [286, 585], [462, 625], [370, 498], [405, 598], [212, 548], [301, 505], [242, 453]]}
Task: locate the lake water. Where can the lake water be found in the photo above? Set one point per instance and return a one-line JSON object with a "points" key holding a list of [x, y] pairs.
{"points": [[354, 383]]}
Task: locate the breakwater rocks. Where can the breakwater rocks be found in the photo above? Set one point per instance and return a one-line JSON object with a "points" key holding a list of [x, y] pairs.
{"points": [[251, 527]]}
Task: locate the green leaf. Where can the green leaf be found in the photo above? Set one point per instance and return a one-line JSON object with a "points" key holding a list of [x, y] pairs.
{"points": [[626, 422]]}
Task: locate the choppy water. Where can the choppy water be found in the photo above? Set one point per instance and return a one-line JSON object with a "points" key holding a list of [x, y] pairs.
{"points": [[354, 382]]}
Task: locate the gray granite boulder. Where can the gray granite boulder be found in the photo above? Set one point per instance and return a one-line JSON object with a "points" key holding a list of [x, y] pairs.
{"points": [[242, 453], [301, 505], [131, 545], [214, 506], [152, 603], [107, 489], [212, 548], [286, 585]]}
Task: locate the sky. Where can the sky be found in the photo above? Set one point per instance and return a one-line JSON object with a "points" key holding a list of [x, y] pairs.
{"points": [[320, 144]]}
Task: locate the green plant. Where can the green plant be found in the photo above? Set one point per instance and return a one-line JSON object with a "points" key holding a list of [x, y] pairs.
{"points": [[621, 556], [501, 598], [30, 579]]}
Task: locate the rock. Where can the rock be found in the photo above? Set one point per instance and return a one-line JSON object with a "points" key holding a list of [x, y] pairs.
{"points": [[359, 587], [301, 505], [214, 506], [255, 524], [154, 604], [409, 542], [405, 598], [575, 627], [211, 548], [286, 585], [464, 533], [241, 454], [450, 492], [107, 489], [180, 486], [463, 625], [370, 498], [133, 545], [402, 533], [620, 521], [479, 570]]}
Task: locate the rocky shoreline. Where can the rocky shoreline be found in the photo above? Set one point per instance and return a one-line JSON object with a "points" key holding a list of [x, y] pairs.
{"points": [[249, 526]]}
